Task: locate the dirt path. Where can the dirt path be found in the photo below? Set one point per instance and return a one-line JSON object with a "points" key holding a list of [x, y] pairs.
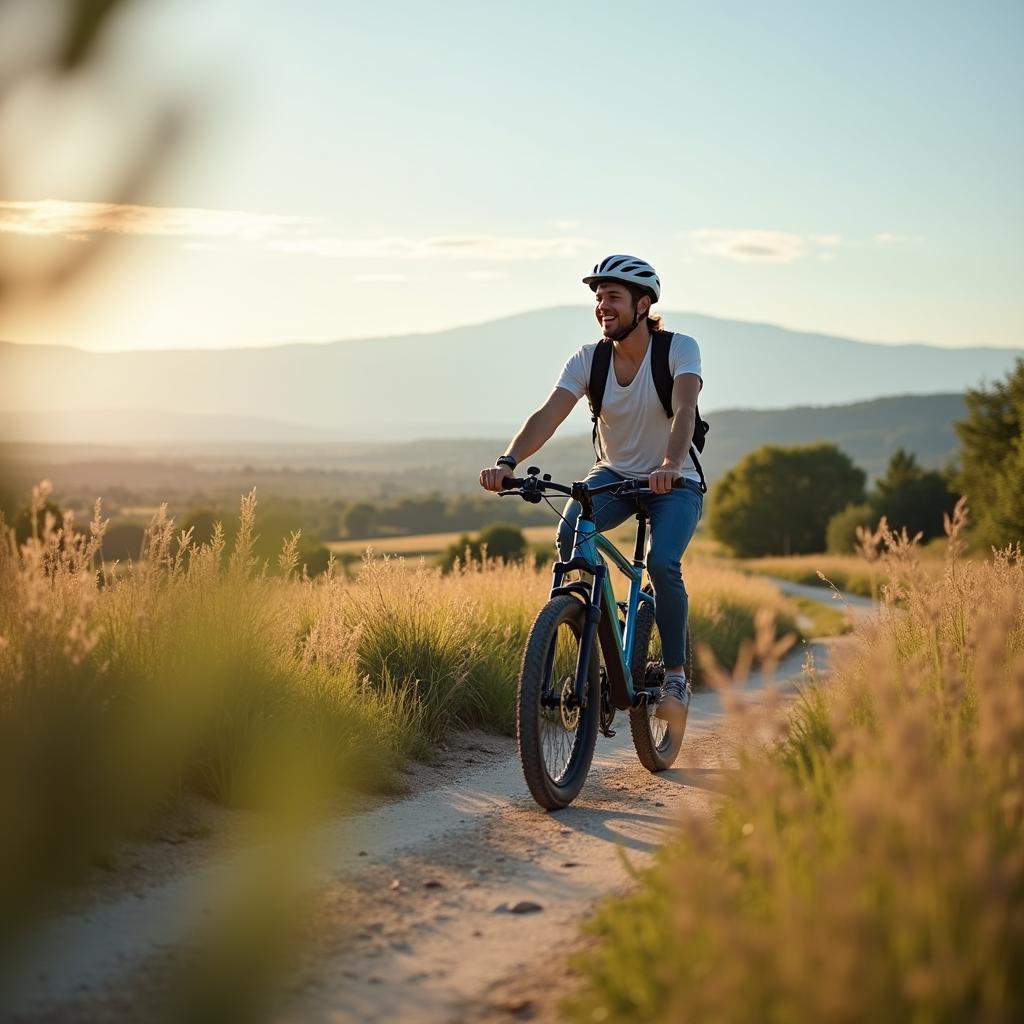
{"points": [[414, 919]]}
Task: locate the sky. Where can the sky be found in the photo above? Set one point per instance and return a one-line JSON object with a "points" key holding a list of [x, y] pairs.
{"points": [[357, 170]]}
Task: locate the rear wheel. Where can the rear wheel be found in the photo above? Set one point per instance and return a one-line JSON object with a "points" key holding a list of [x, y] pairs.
{"points": [[657, 744], [555, 738]]}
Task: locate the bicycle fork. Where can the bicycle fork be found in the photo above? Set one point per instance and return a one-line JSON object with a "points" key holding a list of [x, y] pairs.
{"points": [[593, 599]]}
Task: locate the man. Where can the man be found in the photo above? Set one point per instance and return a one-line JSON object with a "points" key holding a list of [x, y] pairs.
{"points": [[637, 440]]}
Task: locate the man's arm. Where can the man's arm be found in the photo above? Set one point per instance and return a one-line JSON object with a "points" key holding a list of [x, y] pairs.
{"points": [[532, 436], [685, 390]]}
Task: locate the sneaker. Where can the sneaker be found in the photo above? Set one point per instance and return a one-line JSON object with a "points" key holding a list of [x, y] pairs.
{"points": [[674, 703]]}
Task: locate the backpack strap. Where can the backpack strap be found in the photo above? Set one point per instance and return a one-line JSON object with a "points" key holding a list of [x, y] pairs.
{"points": [[661, 343], [598, 381]]}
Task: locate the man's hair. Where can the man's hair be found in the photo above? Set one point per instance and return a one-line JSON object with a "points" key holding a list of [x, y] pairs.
{"points": [[654, 321]]}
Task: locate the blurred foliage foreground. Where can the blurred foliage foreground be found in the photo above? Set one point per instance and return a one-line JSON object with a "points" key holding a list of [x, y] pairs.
{"points": [[869, 863], [126, 688]]}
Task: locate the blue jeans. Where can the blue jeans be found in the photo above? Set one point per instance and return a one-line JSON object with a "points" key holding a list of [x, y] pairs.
{"points": [[673, 518]]}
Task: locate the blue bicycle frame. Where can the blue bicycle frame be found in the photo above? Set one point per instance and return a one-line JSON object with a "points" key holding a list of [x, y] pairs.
{"points": [[591, 553]]}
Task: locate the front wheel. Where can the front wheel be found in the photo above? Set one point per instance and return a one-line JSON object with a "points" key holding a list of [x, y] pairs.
{"points": [[657, 744], [555, 738]]}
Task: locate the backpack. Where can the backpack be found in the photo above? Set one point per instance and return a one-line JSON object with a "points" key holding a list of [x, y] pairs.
{"points": [[661, 341]]}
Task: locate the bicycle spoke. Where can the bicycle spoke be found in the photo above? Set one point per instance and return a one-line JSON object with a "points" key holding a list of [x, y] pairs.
{"points": [[658, 727]]}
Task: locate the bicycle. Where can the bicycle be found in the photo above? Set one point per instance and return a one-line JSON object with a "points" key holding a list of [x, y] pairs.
{"points": [[565, 695]]}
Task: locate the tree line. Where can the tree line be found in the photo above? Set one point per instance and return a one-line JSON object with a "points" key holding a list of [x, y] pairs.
{"points": [[781, 500]]}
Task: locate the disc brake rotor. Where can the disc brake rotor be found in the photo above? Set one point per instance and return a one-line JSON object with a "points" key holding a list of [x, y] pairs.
{"points": [[570, 715]]}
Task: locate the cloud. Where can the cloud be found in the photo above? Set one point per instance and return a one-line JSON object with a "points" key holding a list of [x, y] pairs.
{"points": [[755, 245], [750, 245], [80, 221], [475, 247], [565, 225], [887, 237], [380, 277]]}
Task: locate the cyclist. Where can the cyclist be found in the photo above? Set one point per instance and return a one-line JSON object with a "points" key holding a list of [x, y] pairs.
{"points": [[636, 441]]}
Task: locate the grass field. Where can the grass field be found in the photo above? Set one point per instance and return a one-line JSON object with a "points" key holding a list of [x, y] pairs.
{"points": [[196, 671], [867, 863], [429, 544]]}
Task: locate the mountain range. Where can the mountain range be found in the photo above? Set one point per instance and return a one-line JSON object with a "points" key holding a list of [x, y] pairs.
{"points": [[467, 382]]}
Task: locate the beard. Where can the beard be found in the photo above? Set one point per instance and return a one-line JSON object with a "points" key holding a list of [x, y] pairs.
{"points": [[624, 330]]}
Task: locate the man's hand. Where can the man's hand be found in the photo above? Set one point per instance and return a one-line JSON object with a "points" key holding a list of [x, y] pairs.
{"points": [[662, 479], [492, 478]]}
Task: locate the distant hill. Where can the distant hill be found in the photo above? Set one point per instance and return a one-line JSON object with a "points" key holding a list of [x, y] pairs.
{"points": [[148, 426], [867, 431], [469, 382]]}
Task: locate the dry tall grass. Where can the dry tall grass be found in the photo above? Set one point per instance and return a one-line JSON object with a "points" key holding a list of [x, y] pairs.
{"points": [[196, 671], [869, 865]]}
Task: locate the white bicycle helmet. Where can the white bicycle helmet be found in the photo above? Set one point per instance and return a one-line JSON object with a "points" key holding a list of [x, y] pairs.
{"points": [[625, 268]]}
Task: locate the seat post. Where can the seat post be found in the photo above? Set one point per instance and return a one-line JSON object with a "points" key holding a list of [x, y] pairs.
{"points": [[641, 540]]}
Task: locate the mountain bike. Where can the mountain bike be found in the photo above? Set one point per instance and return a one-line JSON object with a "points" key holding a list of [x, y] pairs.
{"points": [[571, 687]]}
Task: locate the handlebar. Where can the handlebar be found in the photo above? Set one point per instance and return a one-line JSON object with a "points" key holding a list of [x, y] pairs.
{"points": [[532, 487]]}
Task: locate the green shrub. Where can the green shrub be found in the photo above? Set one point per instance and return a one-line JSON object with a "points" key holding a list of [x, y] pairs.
{"points": [[841, 534]]}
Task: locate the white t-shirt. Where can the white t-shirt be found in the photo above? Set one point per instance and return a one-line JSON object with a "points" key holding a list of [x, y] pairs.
{"points": [[633, 428]]}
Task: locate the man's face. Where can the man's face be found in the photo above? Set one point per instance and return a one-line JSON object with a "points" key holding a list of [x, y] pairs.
{"points": [[615, 308]]}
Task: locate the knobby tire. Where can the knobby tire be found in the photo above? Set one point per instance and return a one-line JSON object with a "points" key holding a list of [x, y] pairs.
{"points": [[534, 723], [657, 745]]}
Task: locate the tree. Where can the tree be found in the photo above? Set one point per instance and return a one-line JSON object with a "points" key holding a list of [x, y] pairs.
{"points": [[358, 520], [500, 539], [201, 523], [123, 542], [25, 525], [1006, 520], [465, 549], [426, 514], [841, 534], [778, 500], [912, 498], [991, 459], [503, 541]]}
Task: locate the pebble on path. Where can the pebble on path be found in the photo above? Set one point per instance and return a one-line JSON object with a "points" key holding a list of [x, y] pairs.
{"points": [[521, 907]]}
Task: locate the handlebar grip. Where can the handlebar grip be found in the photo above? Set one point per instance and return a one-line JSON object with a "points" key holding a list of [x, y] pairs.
{"points": [[512, 481], [641, 486]]}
